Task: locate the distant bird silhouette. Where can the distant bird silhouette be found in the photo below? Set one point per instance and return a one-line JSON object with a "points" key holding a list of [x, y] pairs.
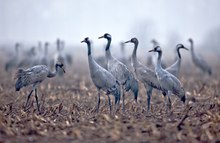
{"points": [[152, 60], [34, 76], [117, 68], [14, 61], [175, 68], [67, 56], [144, 74], [199, 61], [45, 59], [168, 81], [59, 55], [102, 79]]}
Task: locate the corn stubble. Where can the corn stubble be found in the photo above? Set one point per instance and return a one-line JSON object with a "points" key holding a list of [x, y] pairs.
{"points": [[68, 114]]}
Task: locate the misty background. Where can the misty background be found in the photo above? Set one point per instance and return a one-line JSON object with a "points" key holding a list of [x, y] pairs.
{"points": [[170, 22]]}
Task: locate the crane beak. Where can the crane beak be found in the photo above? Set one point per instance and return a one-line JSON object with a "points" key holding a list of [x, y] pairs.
{"points": [[185, 48], [82, 41], [127, 41], [101, 37], [151, 50]]}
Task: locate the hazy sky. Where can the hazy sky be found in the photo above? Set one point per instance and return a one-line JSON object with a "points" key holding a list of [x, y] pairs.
{"points": [[72, 20]]}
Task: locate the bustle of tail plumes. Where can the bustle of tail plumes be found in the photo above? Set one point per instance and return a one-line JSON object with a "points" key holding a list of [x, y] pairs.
{"points": [[18, 75]]}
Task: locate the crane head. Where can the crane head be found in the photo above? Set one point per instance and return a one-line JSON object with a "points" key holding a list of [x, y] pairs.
{"points": [[154, 42], [106, 36], [156, 49], [190, 40], [60, 65], [133, 40], [86, 40], [181, 46]]}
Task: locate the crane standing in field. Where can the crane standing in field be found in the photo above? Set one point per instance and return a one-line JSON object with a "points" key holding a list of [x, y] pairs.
{"points": [[102, 79], [168, 81], [34, 76], [175, 68], [199, 61], [133, 84], [118, 69], [144, 74]]}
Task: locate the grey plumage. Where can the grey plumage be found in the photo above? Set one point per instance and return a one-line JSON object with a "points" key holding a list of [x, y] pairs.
{"points": [[199, 60], [144, 74], [168, 81], [102, 79], [34, 76], [175, 67], [118, 69]]}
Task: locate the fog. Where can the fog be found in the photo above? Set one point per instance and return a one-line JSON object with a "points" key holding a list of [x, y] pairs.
{"points": [[31, 21]]}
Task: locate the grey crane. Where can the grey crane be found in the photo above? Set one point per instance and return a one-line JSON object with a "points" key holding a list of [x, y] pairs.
{"points": [[34, 76], [102, 79], [117, 68], [14, 61], [144, 74], [199, 60], [168, 81], [133, 84], [175, 67]]}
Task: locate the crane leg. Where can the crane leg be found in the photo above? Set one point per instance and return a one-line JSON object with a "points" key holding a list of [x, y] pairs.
{"points": [[98, 101], [29, 95], [116, 102], [168, 102], [123, 99], [109, 104], [149, 93], [38, 107]]}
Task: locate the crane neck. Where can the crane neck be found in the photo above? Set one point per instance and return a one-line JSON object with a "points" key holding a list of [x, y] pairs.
{"points": [[178, 53], [107, 49], [54, 73], [159, 59], [192, 46], [134, 54], [89, 48], [45, 51], [108, 44]]}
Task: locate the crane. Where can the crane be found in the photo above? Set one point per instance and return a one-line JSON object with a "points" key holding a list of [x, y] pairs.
{"points": [[175, 67], [34, 76], [168, 81], [144, 74], [117, 68], [102, 79], [199, 60]]}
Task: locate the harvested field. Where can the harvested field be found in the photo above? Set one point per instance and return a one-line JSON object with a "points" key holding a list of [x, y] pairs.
{"points": [[68, 113]]}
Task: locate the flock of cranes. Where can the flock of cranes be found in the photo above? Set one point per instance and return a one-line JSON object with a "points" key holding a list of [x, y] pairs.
{"points": [[38, 55], [116, 77]]}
